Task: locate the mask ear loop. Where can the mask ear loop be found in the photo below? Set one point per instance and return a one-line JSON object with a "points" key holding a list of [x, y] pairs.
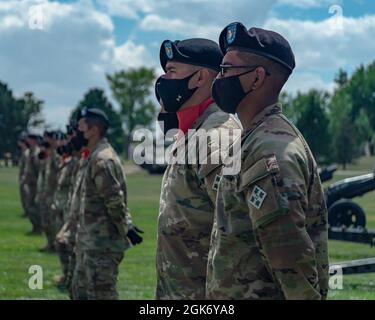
{"points": [[252, 88], [188, 78]]}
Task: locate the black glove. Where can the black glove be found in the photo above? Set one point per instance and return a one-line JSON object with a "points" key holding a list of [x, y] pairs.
{"points": [[133, 236]]}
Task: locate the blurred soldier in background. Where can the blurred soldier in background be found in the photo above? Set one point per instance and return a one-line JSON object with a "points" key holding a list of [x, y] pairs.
{"points": [[24, 156], [50, 184], [61, 203], [39, 197], [30, 179]]}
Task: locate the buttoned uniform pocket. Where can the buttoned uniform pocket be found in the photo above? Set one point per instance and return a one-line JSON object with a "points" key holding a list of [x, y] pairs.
{"points": [[228, 203], [259, 186]]}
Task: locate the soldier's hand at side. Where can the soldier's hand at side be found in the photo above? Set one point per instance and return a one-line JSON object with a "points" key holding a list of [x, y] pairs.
{"points": [[133, 236]]}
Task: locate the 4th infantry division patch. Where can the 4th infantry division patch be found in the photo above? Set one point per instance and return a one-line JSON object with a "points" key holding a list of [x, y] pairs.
{"points": [[257, 197]]}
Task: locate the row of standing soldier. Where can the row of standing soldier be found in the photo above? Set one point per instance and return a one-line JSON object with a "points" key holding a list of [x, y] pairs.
{"points": [[54, 178]]}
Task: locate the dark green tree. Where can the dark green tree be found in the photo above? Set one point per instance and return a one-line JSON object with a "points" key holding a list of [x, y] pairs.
{"points": [[341, 78], [344, 141], [132, 89], [16, 117], [309, 113]]}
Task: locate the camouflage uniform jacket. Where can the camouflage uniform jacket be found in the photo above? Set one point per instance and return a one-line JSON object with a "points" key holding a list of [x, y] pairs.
{"points": [[270, 240], [51, 176], [104, 218], [25, 154], [65, 183], [40, 187], [67, 234], [32, 169], [186, 215]]}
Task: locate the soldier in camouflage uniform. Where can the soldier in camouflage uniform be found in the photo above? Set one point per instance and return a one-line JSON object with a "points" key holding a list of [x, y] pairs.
{"points": [[65, 182], [60, 206], [66, 237], [188, 191], [30, 180], [69, 234], [40, 187], [104, 218], [270, 236], [24, 156], [50, 185]]}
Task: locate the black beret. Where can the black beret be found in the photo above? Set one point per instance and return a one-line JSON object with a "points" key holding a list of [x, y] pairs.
{"points": [[32, 136], [94, 113], [199, 52], [259, 41]]}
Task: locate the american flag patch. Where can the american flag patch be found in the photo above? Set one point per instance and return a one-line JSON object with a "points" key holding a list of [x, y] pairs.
{"points": [[271, 164]]}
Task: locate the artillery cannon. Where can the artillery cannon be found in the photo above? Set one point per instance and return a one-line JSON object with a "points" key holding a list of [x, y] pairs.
{"points": [[342, 211]]}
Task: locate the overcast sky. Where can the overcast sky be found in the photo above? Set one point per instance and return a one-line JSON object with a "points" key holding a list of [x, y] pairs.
{"points": [[60, 49]]}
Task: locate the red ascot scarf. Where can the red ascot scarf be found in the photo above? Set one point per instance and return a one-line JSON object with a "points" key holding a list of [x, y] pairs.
{"points": [[85, 153], [187, 117]]}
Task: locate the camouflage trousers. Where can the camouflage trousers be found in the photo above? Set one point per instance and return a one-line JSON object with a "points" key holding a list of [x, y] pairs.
{"points": [[69, 275], [32, 210], [58, 219], [23, 196], [95, 275], [79, 283], [64, 253], [48, 226], [65, 243]]}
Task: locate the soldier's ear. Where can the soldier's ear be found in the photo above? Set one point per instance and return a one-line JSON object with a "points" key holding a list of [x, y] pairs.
{"points": [[96, 130], [203, 77]]}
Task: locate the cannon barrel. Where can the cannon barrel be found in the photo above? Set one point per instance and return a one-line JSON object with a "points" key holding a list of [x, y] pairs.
{"points": [[355, 266], [326, 173], [350, 188]]}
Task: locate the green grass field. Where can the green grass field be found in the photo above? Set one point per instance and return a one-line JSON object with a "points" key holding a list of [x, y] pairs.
{"points": [[137, 272]]}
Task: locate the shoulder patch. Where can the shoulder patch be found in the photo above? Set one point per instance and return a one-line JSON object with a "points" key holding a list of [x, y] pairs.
{"points": [[168, 50], [257, 197], [231, 33]]}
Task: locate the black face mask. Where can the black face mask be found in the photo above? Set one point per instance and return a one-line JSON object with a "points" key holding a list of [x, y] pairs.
{"points": [[66, 149], [79, 141], [174, 92], [169, 119], [228, 92]]}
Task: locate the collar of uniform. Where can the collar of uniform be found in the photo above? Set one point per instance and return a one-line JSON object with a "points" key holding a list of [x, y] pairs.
{"points": [[210, 110], [99, 146], [272, 109]]}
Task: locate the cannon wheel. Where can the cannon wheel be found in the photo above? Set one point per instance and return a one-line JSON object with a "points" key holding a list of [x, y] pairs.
{"points": [[346, 213]]}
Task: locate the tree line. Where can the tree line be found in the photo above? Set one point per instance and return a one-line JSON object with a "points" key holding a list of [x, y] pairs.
{"points": [[338, 126]]}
